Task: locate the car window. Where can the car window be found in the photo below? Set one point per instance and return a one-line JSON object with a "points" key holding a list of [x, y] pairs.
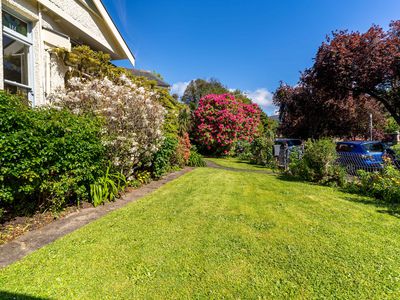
{"points": [[290, 143], [374, 147], [344, 148], [294, 143]]}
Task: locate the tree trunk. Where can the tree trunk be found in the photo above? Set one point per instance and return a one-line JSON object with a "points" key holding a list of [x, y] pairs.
{"points": [[386, 103]]}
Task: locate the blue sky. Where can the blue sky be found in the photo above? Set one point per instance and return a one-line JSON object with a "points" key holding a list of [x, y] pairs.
{"points": [[246, 44]]}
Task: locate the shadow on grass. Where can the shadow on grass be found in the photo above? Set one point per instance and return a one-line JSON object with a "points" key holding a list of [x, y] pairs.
{"points": [[244, 162], [289, 178], [14, 296], [237, 161], [392, 209]]}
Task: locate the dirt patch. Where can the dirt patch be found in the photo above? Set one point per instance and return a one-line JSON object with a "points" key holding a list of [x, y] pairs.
{"points": [[17, 226], [49, 229]]}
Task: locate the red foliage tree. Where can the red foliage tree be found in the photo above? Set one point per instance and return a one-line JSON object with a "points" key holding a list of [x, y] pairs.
{"points": [[308, 113], [354, 63], [220, 120]]}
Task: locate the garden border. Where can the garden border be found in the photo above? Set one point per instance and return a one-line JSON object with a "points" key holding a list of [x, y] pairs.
{"points": [[33, 240]]}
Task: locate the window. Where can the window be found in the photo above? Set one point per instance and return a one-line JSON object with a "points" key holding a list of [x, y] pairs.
{"points": [[15, 24], [17, 56], [344, 148], [374, 147]]}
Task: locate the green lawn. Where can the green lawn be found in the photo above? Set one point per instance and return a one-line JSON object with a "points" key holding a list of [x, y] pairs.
{"points": [[215, 234], [236, 163]]}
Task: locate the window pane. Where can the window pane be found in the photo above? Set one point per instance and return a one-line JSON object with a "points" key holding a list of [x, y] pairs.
{"points": [[20, 91], [15, 24], [374, 147], [15, 61]]}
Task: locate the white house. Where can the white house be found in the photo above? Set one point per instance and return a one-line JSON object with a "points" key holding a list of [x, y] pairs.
{"points": [[33, 27]]}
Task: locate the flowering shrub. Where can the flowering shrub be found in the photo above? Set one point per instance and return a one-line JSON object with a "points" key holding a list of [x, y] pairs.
{"points": [[133, 118], [384, 185], [220, 120], [183, 150]]}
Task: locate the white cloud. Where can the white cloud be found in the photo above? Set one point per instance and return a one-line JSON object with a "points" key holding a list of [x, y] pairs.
{"points": [[262, 97], [179, 88]]}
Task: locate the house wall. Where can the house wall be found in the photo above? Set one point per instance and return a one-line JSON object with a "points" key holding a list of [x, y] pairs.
{"points": [[1, 52], [86, 19], [54, 73], [29, 11], [52, 30], [54, 24]]}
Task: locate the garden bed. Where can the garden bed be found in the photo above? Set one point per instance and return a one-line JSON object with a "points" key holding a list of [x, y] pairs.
{"points": [[17, 226]]}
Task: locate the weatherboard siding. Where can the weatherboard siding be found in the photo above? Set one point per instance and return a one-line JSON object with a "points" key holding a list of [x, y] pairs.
{"points": [[88, 20]]}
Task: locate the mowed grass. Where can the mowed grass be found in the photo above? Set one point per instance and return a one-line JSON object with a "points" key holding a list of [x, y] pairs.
{"points": [[236, 163], [215, 234]]}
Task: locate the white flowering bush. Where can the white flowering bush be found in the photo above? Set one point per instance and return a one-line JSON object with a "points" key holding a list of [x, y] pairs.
{"points": [[132, 130]]}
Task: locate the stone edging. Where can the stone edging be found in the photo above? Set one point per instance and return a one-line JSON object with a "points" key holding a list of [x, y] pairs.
{"points": [[33, 240]]}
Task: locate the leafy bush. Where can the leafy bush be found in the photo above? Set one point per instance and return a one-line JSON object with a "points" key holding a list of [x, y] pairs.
{"points": [[163, 158], [195, 159], [134, 119], [48, 157], [242, 150], [261, 150], [384, 185], [220, 120], [318, 163], [396, 149]]}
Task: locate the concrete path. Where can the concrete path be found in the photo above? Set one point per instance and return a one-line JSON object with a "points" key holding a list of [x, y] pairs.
{"points": [[36, 239]]}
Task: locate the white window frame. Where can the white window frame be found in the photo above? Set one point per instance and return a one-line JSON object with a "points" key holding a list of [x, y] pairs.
{"points": [[28, 41]]}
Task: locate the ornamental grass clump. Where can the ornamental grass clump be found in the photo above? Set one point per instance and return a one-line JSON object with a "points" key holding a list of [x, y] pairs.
{"points": [[132, 130], [220, 121]]}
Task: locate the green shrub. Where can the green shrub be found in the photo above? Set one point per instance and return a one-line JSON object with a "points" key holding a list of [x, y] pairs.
{"points": [[261, 152], [163, 158], [107, 187], [196, 159], [318, 163], [396, 149], [384, 185], [242, 150], [47, 157]]}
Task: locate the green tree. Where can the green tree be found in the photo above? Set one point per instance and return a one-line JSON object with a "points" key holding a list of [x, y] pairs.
{"points": [[392, 126], [199, 88]]}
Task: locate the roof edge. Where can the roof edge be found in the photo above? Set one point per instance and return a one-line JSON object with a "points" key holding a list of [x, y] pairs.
{"points": [[115, 31]]}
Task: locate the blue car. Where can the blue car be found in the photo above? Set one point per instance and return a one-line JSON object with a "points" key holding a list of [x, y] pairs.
{"points": [[361, 155]]}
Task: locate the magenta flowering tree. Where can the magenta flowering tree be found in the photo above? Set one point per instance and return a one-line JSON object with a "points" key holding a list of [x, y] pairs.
{"points": [[220, 120]]}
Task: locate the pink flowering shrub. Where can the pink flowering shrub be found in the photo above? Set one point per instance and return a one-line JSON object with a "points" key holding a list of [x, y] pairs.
{"points": [[220, 120]]}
